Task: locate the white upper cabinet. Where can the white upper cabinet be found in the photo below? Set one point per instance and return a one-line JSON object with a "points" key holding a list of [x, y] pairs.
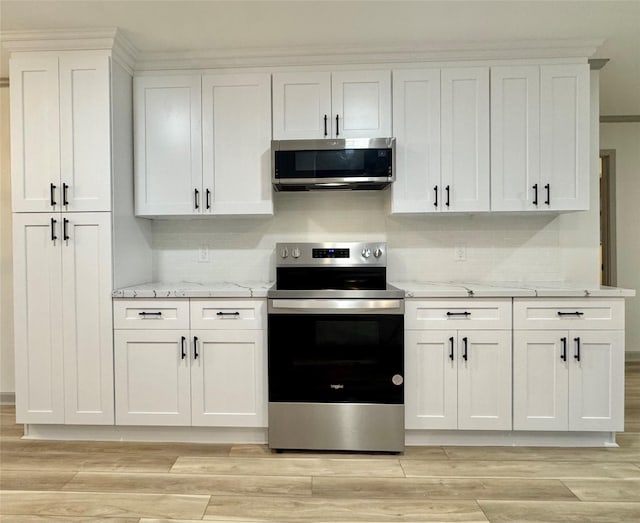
{"points": [[168, 149], [441, 124], [60, 120], [465, 139], [515, 138], [203, 144], [416, 126], [564, 136], [301, 105], [236, 144], [540, 137], [345, 104]]}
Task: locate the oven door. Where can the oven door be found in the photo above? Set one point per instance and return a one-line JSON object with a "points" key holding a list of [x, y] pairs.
{"points": [[336, 351]]}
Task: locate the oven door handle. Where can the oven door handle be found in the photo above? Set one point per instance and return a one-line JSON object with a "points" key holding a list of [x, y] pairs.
{"points": [[345, 306]]}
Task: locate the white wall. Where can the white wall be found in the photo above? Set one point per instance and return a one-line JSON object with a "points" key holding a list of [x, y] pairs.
{"points": [[500, 247], [6, 269], [624, 138]]}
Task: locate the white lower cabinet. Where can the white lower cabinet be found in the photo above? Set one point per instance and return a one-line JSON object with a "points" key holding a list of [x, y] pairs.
{"points": [[568, 380], [63, 322], [213, 377], [568, 364], [458, 378]]}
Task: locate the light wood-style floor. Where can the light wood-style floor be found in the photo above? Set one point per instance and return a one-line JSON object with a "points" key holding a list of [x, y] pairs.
{"points": [[151, 483]]}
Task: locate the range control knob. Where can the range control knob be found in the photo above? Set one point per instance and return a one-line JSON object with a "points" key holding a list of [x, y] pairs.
{"points": [[366, 253], [284, 253], [378, 252], [295, 252]]}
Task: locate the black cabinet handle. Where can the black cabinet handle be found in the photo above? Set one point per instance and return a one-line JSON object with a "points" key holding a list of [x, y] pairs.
{"points": [[208, 199], [183, 352], [65, 189], [65, 232], [548, 189], [325, 125], [451, 348], [144, 314], [535, 194], [53, 229], [465, 313], [196, 198], [577, 354], [234, 314], [52, 195], [576, 313], [465, 343], [447, 188], [563, 356], [337, 125], [435, 192], [195, 348]]}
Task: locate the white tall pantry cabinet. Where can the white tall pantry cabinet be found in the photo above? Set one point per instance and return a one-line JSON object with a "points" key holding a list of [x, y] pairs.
{"points": [[63, 118]]}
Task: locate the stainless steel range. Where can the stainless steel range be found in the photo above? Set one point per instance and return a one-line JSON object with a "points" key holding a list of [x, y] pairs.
{"points": [[336, 355]]}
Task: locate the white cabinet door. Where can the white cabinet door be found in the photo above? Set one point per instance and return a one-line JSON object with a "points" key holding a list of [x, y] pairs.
{"points": [[37, 272], [564, 135], [361, 103], [515, 139], [85, 136], [168, 160], [541, 362], [236, 148], [301, 106], [228, 378], [596, 380], [465, 139], [152, 377], [431, 372], [484, 380], [416, 126], [35, 133], [87, 318]]}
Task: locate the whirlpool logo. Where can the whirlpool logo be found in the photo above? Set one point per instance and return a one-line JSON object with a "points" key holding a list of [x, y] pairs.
{"points": [[336, 386]]}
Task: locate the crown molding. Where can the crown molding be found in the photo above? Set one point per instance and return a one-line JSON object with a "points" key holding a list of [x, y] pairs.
{"points": [[338, 55], [109, 38]]}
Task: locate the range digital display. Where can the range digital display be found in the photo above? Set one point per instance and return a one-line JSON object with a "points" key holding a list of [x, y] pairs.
{"points": [[330, 253]]}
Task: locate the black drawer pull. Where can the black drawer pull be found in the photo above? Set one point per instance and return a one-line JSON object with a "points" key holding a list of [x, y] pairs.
{"points": [[548, 189], [435, 192], [65, 198], [535, 194], [451, 348], [183, 353], [195, 348], [465, 342], [145, 313], [563, 356], [576, 313], [448, 190], [577, 354], [222, 314], [465, 313]]}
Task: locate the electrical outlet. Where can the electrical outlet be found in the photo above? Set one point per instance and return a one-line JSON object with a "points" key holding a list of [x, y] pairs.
{"points": [[460, 253], [203, 254]]}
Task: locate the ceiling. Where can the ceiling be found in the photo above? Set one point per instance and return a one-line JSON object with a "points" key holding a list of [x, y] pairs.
{"points": [[175, 26]]}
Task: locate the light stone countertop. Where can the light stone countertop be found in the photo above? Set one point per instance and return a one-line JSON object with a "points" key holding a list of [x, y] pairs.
{"points": [[244, 289], [413, 289]]}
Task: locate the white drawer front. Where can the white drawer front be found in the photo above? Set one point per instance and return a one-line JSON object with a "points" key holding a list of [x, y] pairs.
{"points": [[228, 314], [151, 314], [458, 314], [585, 313]]}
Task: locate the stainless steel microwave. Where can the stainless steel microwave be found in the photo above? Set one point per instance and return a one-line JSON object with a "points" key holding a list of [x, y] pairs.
{"points": [[355, 164]]}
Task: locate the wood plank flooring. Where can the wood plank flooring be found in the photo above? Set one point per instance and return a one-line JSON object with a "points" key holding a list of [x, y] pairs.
{"points": [[114, 482]]}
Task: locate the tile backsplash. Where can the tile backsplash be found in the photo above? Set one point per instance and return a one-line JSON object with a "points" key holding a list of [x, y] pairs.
{"points": [[499, 247]]}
